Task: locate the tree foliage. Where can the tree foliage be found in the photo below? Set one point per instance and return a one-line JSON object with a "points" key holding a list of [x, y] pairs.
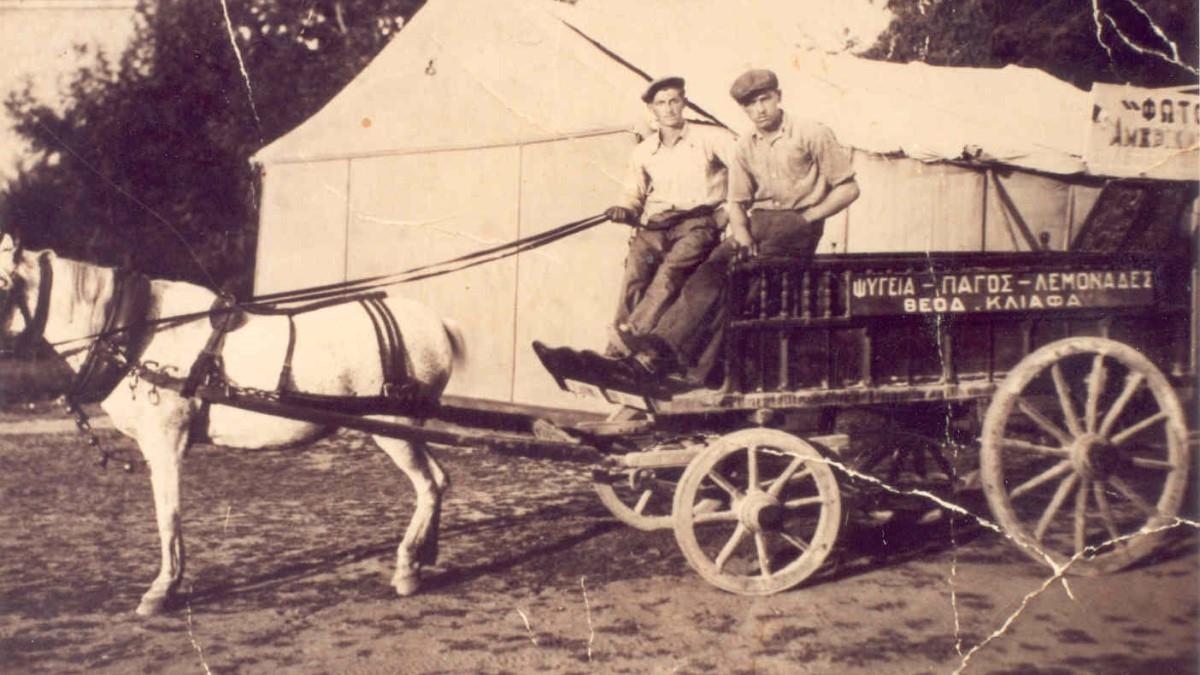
{"points": [[146, 162], [1081, 41]]}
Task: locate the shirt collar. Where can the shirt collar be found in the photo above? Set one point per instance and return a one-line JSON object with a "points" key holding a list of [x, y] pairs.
{"points": [[658, 144], [785, 128]]}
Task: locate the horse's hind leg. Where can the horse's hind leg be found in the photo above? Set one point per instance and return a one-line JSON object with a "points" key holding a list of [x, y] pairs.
{"points": [[162, 437], [420, 544]]}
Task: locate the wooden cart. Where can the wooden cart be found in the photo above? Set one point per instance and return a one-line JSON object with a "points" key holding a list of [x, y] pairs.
{"points": [[1070, 370]]}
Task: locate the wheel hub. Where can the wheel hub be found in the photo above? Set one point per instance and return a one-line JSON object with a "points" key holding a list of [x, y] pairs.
{"points": [[760, 511], [641, 479], [1093, 456]]}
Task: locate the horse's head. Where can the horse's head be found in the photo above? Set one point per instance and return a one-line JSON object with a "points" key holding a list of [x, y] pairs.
{"points": [[16, 314], [10, 248]]}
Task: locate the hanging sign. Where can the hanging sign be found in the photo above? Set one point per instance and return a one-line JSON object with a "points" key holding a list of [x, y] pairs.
{"points": [[1137, 132]]}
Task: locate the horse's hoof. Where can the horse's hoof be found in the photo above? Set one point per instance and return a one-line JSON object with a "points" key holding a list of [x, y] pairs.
{"points": [[406, 585], [152, 605]]}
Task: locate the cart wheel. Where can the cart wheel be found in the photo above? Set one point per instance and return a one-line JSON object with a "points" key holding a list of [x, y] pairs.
{"points": [[640, 498], [757, 512], [1083, 447], [904, 461]]}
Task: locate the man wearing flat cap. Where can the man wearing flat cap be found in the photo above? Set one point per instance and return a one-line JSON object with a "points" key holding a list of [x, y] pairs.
{"points": [[787, 177], [672, 192]]}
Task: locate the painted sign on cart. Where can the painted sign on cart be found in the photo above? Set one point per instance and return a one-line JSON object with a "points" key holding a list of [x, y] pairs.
{"points": [[999, 291]]}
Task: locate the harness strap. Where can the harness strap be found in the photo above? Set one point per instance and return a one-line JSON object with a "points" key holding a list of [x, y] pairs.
{"points": [[124, 332], [285, 373], [312, 306], [209, 362], [393, 357]]}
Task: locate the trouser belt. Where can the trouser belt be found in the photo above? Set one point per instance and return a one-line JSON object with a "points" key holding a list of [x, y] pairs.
{"points": [[665, 220]]}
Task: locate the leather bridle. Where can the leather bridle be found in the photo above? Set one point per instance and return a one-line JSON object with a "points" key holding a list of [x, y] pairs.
{"points": [[35, 320]]}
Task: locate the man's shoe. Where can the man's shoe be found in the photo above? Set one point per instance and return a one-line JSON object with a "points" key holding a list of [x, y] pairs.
{"points": [[619, 340], [653, 366]]}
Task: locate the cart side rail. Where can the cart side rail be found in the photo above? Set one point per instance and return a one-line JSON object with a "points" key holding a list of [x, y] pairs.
{"points": [[936, 321]]}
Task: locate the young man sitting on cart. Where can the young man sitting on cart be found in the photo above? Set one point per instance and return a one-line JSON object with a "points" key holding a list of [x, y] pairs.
{"points": [[790, 175], [672, 194]]}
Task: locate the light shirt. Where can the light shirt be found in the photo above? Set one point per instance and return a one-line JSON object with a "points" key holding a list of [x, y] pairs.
{"points": [[793, 169], [688, 174]]}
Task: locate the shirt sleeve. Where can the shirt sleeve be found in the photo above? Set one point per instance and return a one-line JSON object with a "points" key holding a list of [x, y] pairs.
{"points": [[835, 159], [636, 183], [741, 181]]}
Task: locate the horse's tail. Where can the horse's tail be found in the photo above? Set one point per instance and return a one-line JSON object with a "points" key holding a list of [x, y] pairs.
{"points": [[458, 345]]}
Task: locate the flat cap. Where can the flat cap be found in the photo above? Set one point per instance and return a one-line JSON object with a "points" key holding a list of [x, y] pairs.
{"points": [[752, 82], [672, 82]]}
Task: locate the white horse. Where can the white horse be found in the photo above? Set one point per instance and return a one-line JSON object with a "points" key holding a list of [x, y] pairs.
{"points": [[335, 353]]}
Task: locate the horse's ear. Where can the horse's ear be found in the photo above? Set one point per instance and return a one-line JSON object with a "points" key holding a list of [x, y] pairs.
{"points": [[10, 238]]}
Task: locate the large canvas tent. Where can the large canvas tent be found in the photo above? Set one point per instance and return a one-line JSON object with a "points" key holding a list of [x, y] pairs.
{"points": [[488, 120]]}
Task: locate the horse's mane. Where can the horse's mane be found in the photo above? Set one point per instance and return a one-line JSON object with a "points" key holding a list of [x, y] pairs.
{"points": [[91, 286]]}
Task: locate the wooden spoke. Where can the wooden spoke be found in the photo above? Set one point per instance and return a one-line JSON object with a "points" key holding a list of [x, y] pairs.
{"points": [[1106, 514], [1129, 467], [1132, 382], [741, 555], [723, 483], [751, 468], [642, 501], [940, 458], [730, 546], [1041, 420], [803, 501], [1147, 463], [1015, 444], [1056, 502], [1132, 496], [714, 517], [918, 462], [1064, 400], [764, 558], [1095, 386], [1081, 500], [795, 541], [1043, 477], [1133, 430], [792, 471], [894, 468]]}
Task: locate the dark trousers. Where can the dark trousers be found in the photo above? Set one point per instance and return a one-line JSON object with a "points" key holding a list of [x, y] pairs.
{"points": [[658, 264], [694, 325]]}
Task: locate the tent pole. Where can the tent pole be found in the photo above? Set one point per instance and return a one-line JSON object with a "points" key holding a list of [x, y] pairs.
{"points": [[983, 220], [346, 224], [512, 377]]}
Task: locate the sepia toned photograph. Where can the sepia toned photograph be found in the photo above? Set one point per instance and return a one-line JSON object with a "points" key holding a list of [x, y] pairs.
{"points": [[599, 336]]}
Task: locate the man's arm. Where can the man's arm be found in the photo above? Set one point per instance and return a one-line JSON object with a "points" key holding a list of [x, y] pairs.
{"points": [[633, 193], [739, 227], [739, 195], [842, 195]]}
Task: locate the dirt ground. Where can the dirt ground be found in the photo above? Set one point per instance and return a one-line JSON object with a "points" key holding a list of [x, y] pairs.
{"points": [[290, 553]]}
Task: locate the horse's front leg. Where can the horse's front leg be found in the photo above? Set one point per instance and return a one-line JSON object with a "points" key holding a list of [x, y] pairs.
{"points": [[162, 435], [419, 547]]}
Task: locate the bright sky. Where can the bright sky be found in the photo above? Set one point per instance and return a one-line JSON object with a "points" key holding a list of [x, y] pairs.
{"points": [[36, 41]]}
